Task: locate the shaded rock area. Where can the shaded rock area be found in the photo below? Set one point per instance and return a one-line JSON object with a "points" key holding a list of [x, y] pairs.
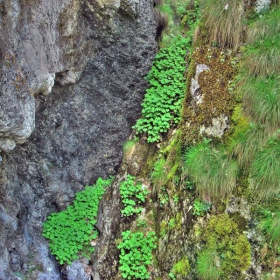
{"points": [[92, 56]]}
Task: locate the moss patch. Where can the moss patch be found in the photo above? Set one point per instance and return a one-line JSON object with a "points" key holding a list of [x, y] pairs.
{"points": [[217, 100]]}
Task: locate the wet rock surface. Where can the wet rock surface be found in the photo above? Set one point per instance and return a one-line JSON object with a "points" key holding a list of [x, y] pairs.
{"points": [[98, 57]]}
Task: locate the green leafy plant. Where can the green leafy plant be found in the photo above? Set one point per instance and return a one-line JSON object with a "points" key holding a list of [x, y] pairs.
{"points": [[136, 254], [132, 195], [162, 102], [200, 207], [69, 232]]}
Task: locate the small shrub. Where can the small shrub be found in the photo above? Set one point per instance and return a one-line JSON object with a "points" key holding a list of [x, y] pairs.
{"points": [[132, 195], [136, 254], [69, 232]]}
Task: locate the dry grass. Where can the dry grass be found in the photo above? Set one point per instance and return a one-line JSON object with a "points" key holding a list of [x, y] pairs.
{"points": [[224, 22]]}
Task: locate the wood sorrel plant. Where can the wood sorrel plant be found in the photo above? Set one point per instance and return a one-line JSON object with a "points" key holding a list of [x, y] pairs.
{"points": [[132, 195], [136, 253], [69, 232], [162, 102]]}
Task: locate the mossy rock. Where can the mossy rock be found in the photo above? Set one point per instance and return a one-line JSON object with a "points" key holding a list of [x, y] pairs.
{"points": [[230, 248]]}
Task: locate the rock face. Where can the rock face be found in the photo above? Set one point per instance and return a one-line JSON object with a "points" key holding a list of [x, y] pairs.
{"points": [[74, 70]]}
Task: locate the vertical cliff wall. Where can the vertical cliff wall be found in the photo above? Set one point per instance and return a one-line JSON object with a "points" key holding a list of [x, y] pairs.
{"points": [[72, 78]]}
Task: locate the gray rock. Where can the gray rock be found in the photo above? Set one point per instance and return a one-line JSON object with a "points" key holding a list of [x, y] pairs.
{"points": [[77, 271], [195, 87], [99, 55], [218, 127], [262, 5]]}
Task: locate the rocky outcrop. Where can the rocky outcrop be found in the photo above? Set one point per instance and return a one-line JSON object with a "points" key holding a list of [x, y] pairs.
{"points": [[74, 70]]}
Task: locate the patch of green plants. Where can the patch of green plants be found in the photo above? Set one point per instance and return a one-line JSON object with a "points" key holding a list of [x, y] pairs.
{"points": [[162, 101], [207, 267], [270, 225], [136, 254], [180, 269], [227, 251], [178, 15], [69, 232], [132, 195], [263, 53], [159, 171], [212, 170], [262, 101], [225, 22], [249, 143], [201, 207], [265, 170]]}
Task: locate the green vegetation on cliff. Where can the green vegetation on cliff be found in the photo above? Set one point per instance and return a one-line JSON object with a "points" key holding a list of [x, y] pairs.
{"points": [[70, 232]]}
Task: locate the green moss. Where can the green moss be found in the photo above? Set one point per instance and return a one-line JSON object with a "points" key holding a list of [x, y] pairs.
{"points": [[217, 100], [172, 173], [181, 268], [159, 172], [230, 249], [240, 125]]}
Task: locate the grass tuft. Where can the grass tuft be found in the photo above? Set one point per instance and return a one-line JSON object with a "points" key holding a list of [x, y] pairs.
{"points": [[265, 171], [262, 101], [224, 22], [206, 267], [263, 54], [270, 225], [248, 144], [213, 172]]}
